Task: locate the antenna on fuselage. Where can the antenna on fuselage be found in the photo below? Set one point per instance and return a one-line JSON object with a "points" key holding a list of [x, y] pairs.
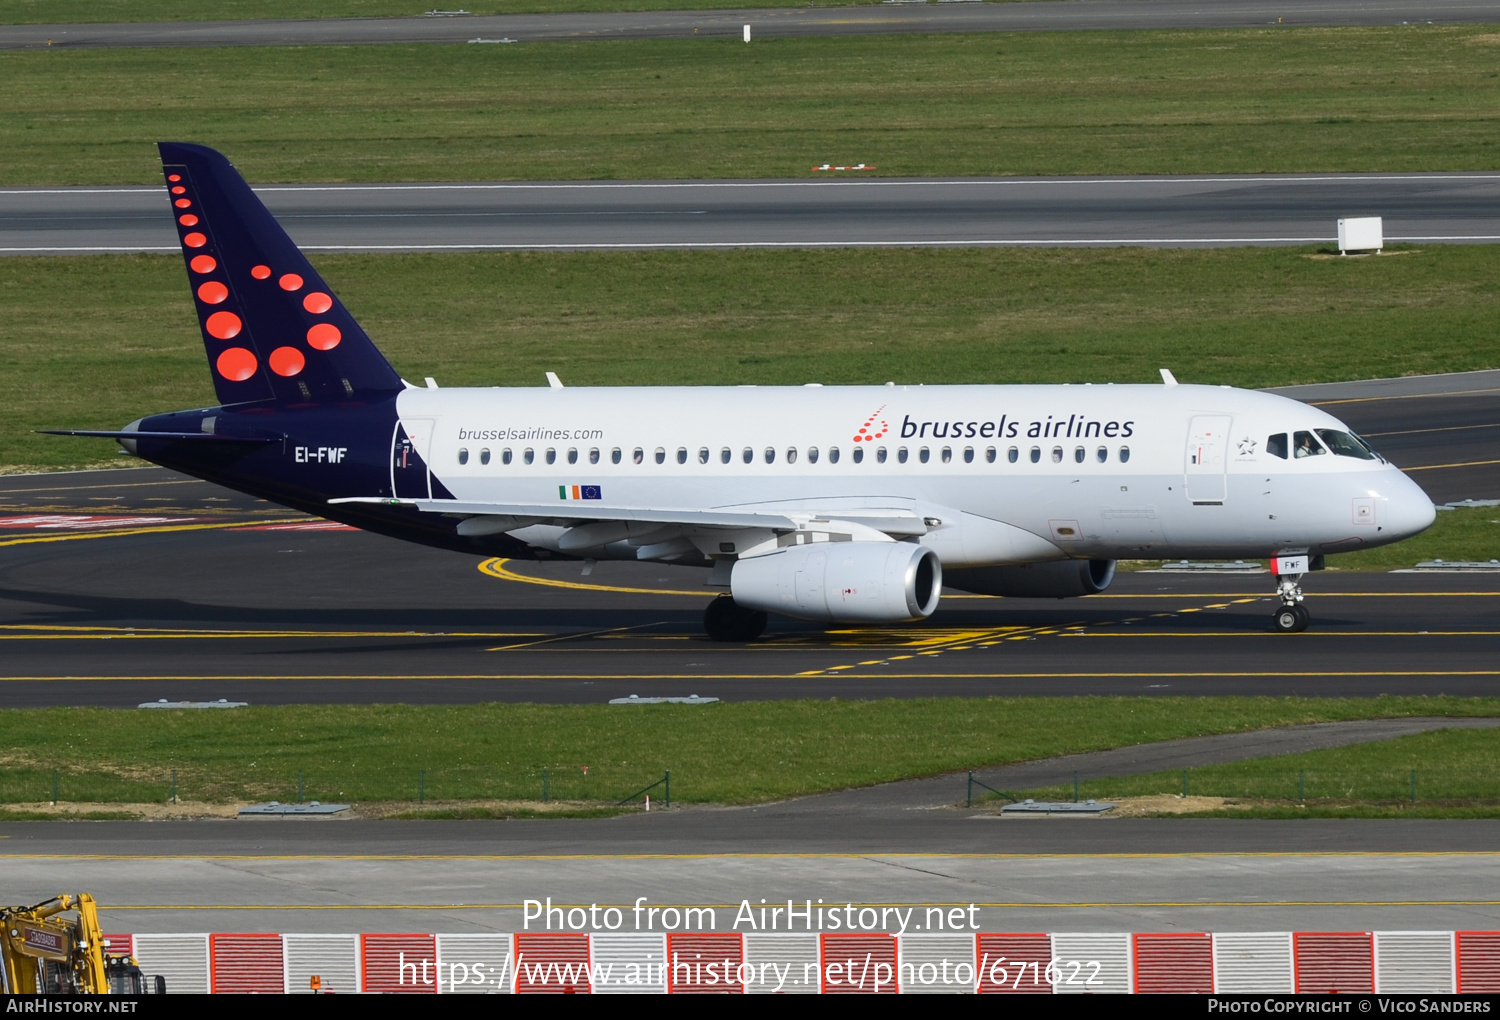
{"points": [[1167, 377], [553, 381]]}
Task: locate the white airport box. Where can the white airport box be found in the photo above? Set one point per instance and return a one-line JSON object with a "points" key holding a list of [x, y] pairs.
{"points": [[629, 962], [1414, 962], [334, 959], [1102, 963], [929, 964], [1250, 962], [181, 959], [774, 957], [474, 964], [1361, 233]]}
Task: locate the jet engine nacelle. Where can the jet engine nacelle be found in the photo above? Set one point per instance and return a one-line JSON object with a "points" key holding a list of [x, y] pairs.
{"points": [[865, 582], [1059, 579]]}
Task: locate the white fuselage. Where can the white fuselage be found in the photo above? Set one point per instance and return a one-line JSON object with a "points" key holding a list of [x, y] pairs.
{"points": [[1085, 471]]}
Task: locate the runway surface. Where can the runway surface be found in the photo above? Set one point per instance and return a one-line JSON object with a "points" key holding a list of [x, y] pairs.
{"points": [[315, 891], [123, 587], [862, 20], [1207, 211]]}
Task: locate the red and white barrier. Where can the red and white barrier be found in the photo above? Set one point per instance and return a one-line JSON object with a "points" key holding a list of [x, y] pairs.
{"points": [[687, 963]]}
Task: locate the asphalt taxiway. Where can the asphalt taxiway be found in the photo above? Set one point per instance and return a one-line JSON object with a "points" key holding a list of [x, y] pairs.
{"points": [[128, 586], [772, 22], [1186, 211]]}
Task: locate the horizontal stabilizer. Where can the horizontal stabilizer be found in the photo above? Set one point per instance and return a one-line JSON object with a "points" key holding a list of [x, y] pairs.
{"points": [[192, 437]]}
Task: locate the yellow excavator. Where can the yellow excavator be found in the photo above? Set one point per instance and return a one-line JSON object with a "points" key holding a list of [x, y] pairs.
{"points": [[56, 948]]}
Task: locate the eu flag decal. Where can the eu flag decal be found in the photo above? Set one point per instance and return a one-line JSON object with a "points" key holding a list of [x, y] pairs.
{"points": [[579, 492]]}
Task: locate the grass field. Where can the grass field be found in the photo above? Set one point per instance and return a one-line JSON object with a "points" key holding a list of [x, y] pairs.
{"points": [[1454, 777], [77, 12], [724, 753], [1405, 98], [129, 344]]}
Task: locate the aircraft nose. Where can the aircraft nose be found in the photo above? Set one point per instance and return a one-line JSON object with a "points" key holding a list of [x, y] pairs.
{"points": [[1410, 510]]}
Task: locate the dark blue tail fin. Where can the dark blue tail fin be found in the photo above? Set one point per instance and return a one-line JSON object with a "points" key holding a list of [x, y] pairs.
{"points": [[272, 327]]}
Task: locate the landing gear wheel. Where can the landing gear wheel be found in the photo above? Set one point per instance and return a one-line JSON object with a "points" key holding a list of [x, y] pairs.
{"points": [[727, 620], [1292, 619]]}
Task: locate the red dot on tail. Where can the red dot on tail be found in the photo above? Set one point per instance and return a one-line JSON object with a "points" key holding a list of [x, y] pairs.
{"points": [[236, 364], [213, 292], [203, 264], [291, 281], [195, 240], [179, 190], [188, 220], [317, 302], [182, 203], [261, 272], [325, 336], [174, 178], [223, 325], [286, 361]]}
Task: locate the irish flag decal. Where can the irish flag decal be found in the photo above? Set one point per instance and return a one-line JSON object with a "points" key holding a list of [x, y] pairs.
{"points": [[579, 492]]}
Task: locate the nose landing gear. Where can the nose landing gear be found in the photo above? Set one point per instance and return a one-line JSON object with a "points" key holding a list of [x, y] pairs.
{"points": [[1291, 616]]}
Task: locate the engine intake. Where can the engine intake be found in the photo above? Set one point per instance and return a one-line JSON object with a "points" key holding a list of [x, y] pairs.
{"points": [[1059, 579], [853, 582]]}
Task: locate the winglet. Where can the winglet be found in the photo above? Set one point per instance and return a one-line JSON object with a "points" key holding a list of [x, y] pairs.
{"points": [[1167, 377]]}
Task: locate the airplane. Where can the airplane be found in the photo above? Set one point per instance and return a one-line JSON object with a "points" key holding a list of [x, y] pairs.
{"points": [[854, 504]]}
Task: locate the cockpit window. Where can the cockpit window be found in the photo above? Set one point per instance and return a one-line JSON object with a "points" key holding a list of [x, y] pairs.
{"points": [[1304, 445], [1276, 445], [1344, 445]]}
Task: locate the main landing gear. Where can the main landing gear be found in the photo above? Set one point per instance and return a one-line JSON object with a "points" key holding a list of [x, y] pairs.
{"points": [[1291, 616], [727, 620]]}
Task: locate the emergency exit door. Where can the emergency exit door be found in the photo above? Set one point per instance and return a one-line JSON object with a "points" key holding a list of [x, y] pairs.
{"points": [[1207, 449], [409, 449]]}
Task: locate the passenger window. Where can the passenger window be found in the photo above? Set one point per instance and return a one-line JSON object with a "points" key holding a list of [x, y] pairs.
{"points": [[1344, 445], [484, 456], [1078, 455], [923, 454], [682, 455], [989, 455], [1304, 445], [748, 455], [901, 455], [1101, 454], [947, 455], [573, 456], [968, 455], [703, 455], [1057, 455], [1036, 454], [463, 456], [791, 455], [551, 455], [661, 455], [529, 455], [726, 455], [770, 455], [614, 455], [594, 455], [859, 455], [638, 456], [880, 455], [833, 455], [505, 455], [812, 454], [1013, 455], [1276, 445], [1124, 455]]}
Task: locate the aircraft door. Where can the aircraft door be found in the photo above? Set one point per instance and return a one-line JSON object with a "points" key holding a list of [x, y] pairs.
{"points": [[409, 449], [1207, 449]]}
